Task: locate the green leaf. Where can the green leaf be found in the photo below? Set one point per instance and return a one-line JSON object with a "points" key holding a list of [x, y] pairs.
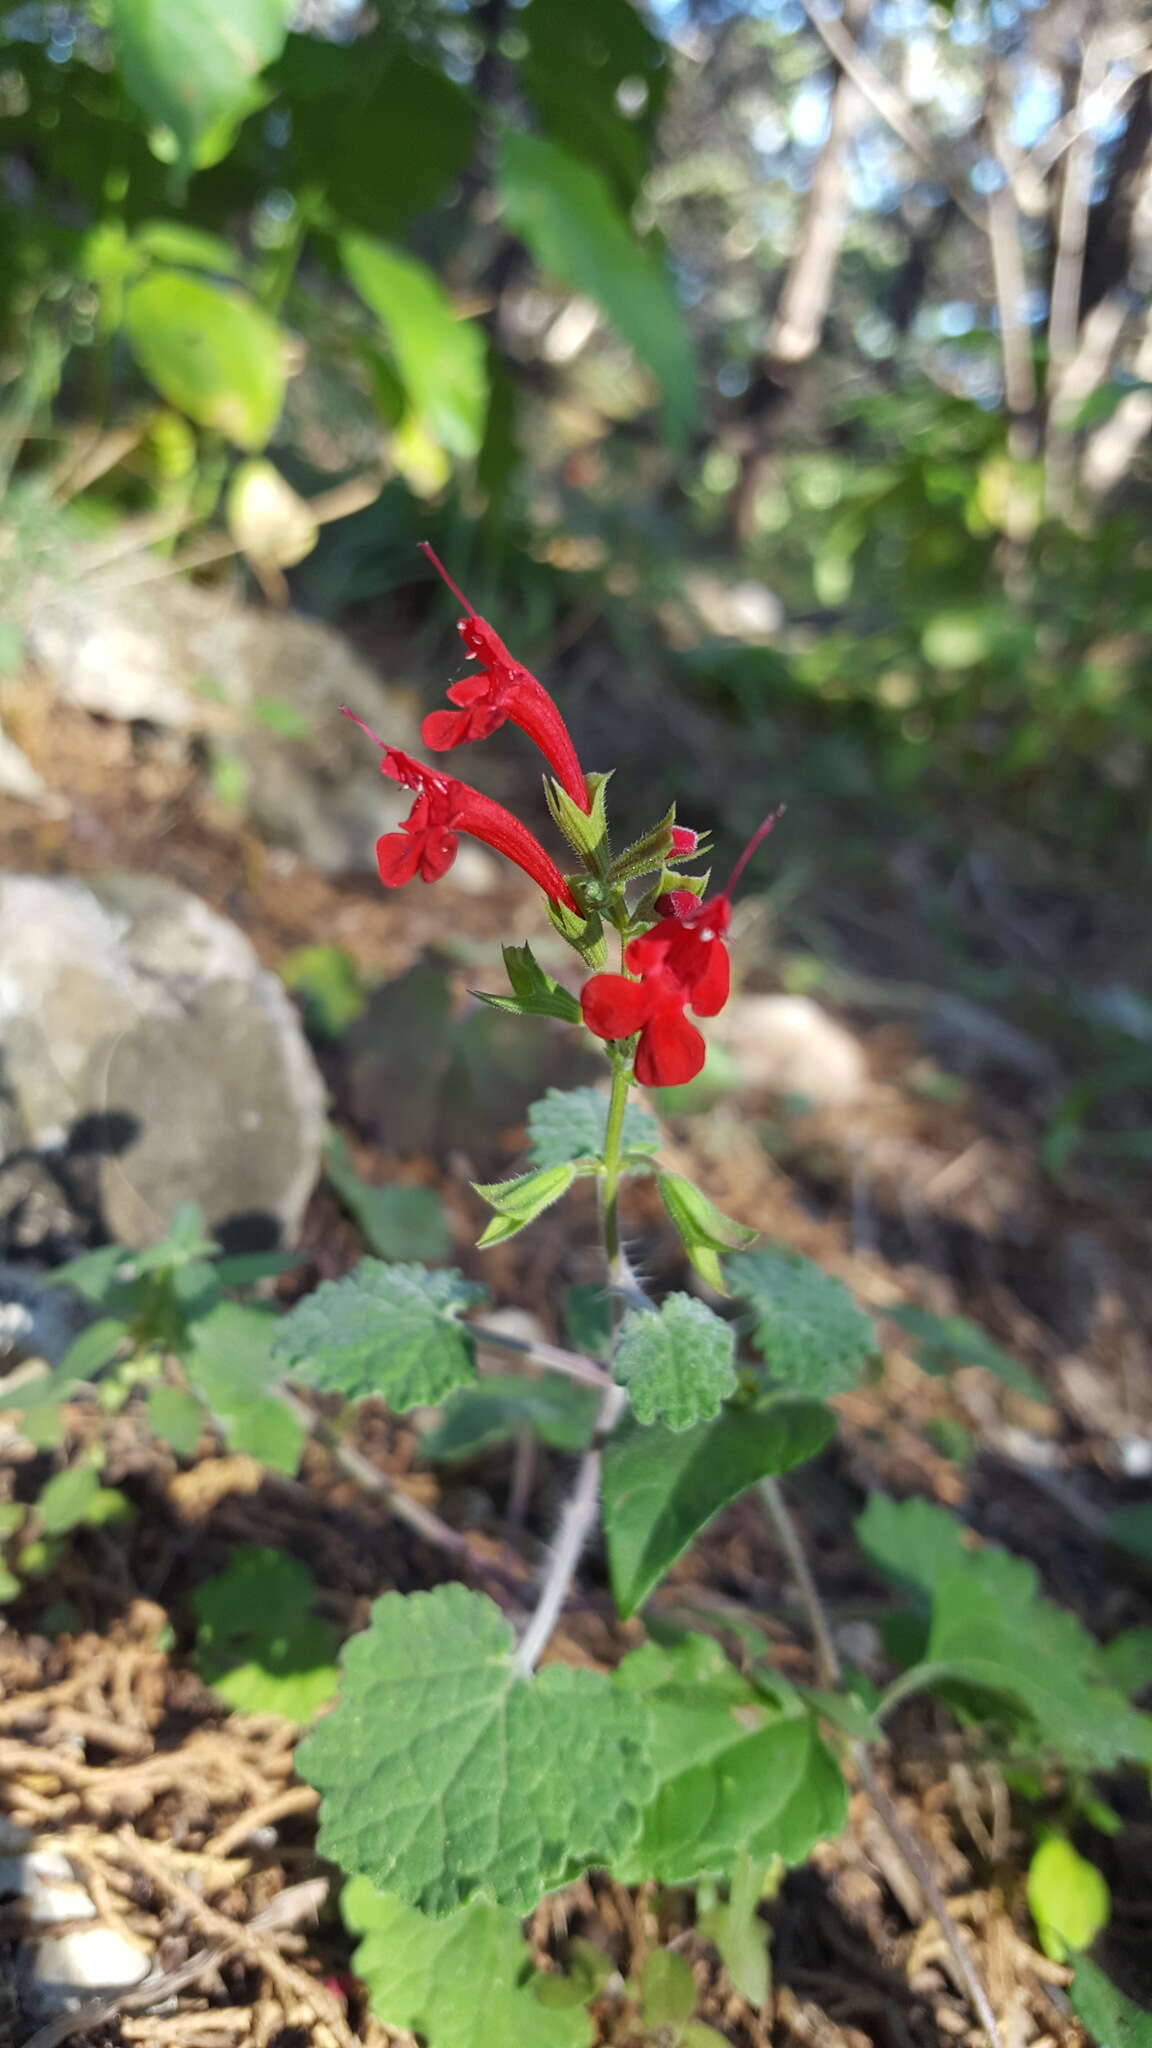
{"points": [[734, 1776], [381, 133], [107, 1507], [210, 351], [1110, 2019], [704, 1229], [175, 241], [94, 1348], [585, 831], [941, 1342], [245, 1269], [189, 67], [400, 1221], [808, 1329], [1127, 1659], [66, 1499], [661, 1489], [328, 983], [177, 1418], [257, 1645], [565, 213], [1131, 1528], [44, 1426], [518, 1202], [534, 993], [95, 1275], [391, 1330], [9, 1585], [230, 1364], [985, 1604], [569, 1123], [1067, 1897], [424, 1975], [737, 1931], [557, 1411], [442, 358], [667, 1989], [677, 1364], [447, 1777], [577, 61]]}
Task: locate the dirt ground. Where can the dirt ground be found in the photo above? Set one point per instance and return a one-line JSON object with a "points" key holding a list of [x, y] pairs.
{"points": [[187, 1824]]}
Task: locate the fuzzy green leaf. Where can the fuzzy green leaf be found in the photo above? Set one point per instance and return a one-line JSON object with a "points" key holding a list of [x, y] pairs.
{"points": [[399, 1220], [557, 1411], [257, 1645], [442, 358], [519, 1201], [585, 831], [66, 1499], [446, 1777], [94, 1348], [677, 1364], [230, 1364], [737, 1931], [704, 1229], [211, 351], [391, 1330], [194, 66], [569, 1123], [808, 1329], [734, 1776], [667, 1989], [424, 1975], [986, 1604], [177, 1418], [1111, 2019], [661, 1489]]}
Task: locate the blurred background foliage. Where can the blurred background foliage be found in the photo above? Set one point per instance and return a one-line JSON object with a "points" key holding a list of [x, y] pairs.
{"points": [[770, 373]]}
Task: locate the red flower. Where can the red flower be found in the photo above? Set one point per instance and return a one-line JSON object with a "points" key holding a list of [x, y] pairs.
{"points": [[426, 842], [681, 964], [503, 690]]}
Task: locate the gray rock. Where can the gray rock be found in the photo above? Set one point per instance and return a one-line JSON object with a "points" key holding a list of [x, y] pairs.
{"points": [[36, 1321], [142, 1043], [57, 1971], [789, 1045], [265, 686]]}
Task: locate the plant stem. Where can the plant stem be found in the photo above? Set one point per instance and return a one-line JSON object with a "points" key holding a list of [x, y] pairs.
{"points": [[571, 1364], [582, 1505], [832, 1676]]}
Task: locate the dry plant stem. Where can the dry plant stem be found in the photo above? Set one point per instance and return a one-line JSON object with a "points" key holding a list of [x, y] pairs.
{"points": [[284, 1910], [582, 1506], [569, 1363], [831, 1676]]}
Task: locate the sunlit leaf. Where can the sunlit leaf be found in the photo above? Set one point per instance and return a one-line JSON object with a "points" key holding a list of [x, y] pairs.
{"points": [[808, 1329], [190, 66], [209, 350], [569, 1123], [442, 358], [257, 1645], [678, 1362], [391, 1330]]}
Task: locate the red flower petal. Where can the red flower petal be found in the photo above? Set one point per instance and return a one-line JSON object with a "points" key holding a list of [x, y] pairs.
{"points": [[397, 856], [671, 1050], [613, 1006], [710, 993], [437, 853]]}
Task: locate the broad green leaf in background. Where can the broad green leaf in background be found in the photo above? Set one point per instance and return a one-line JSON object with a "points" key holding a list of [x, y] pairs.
{"points": [[661, 1488], [737, 1931], [734, 1776], [986, 1604], [400, 1220], [391, 1330], [1127, 1659], [327, 981], [565, 212], [176, 241], [257, 1645], [177, 1418], [464, 1981], [704, 1230], [230, 1364], [678, 1363], [94, 1348], [446, 1776], [519, 1201], [1111, 2019], [558, 1411], [94, 1275], [808, 1329], [596, 75], [942, 1342], [381, 133], [667, 1989], [568, 1123], [191, 65], [1067, 1897], [210, 351], [66, 1499], [442, 358]]}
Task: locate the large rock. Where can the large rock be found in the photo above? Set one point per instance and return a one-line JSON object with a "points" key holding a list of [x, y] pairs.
{"points": [[790, 1046], [144, 1048], [266, 686]]}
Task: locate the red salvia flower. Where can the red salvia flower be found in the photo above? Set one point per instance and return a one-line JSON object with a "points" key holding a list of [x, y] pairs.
{"points": [[426, 843], [503, 690], [681, 964]]}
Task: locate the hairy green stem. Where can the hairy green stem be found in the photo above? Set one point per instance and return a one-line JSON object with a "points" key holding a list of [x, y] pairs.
{"points": [[832, 1676], [583, 1504]]}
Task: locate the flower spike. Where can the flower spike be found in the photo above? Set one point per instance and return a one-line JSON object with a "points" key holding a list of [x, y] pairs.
{"points": [[504, 690], [426, 843]]}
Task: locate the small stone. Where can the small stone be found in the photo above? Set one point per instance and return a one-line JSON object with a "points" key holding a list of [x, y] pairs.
{"points": [[66, 1969], [789, 1045], [1135, 1456]]}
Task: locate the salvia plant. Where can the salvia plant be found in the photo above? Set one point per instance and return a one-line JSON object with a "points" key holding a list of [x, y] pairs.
{"points": [[463, 1770]]}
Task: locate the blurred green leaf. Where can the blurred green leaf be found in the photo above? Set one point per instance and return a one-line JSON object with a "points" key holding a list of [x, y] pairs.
{"points": [[564, 211], [401, 1220], [67, 1498], [1067, 1897], [560, 1412], [177, 1418], [941, 1342], [328, 982], [597, 76], [667, 1989], [704, 1230], [210, 351], [442, 357], [379, 132], [569, 1123], [1111, 2019], [808, 1330], [177, 242], [1131, 1528], [257, 1645], [190, 66], [229, 1363]]}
